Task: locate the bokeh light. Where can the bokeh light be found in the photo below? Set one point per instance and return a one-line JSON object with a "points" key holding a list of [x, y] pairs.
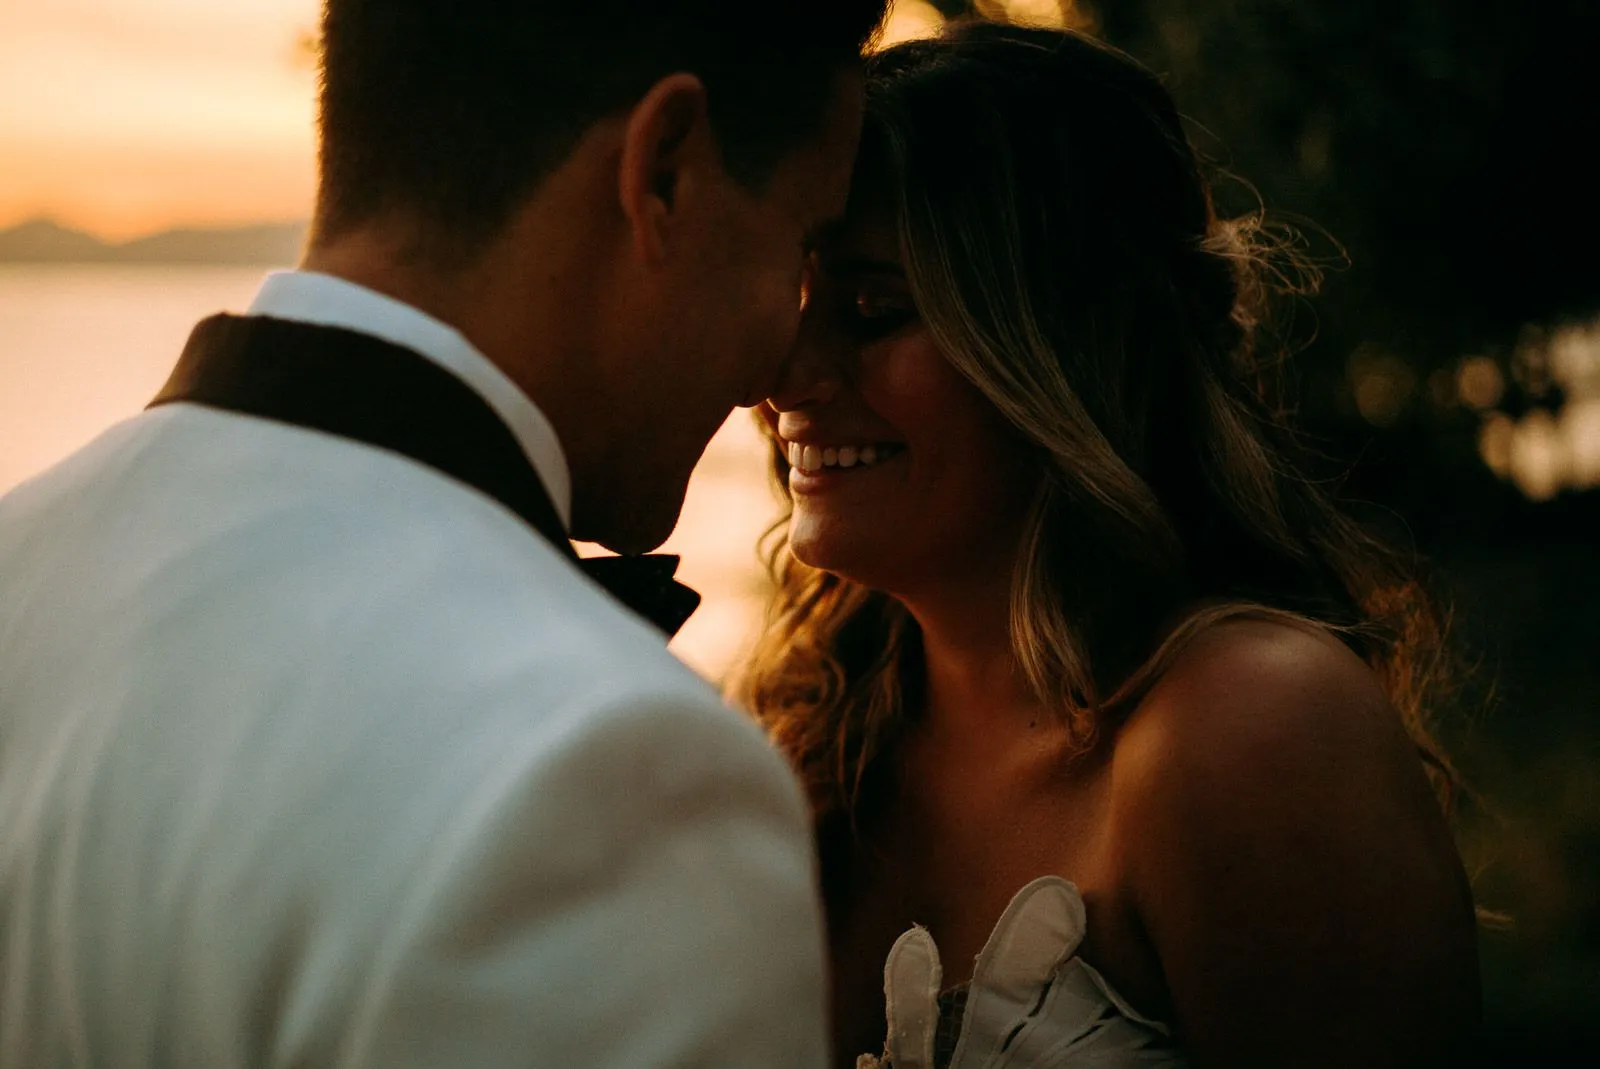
{"points": [[1554, 445]]}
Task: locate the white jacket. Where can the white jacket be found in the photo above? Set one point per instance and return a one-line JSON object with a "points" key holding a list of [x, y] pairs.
{"points": [[312, 756]]}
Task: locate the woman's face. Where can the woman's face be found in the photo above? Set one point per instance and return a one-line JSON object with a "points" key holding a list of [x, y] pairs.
{"points": [[902, 474]]}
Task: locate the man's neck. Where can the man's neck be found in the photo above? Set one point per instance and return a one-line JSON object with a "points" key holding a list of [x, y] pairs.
{"points": [[378, 260], [516, 310]]}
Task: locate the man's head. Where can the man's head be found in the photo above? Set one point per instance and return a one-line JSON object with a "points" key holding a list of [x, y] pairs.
{"points": [[611, 198]]}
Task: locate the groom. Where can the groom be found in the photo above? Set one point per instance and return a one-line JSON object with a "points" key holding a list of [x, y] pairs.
{"points": [[317, 745]]}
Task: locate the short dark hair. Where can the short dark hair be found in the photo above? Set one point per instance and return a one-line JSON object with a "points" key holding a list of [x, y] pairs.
{"points": [[455, 110]]}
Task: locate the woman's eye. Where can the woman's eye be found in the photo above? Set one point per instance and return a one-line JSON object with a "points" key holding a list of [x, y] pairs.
{"points": [[871, 316], [868, 307]]}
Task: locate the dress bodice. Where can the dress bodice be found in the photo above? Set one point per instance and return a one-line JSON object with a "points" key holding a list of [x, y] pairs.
{"points": [[1031, 1002]]}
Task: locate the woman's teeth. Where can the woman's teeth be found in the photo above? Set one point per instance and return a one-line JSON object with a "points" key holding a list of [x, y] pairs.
{"points": [[812, 458]]}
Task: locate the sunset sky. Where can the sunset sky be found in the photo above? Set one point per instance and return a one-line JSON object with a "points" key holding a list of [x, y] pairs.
{"points": [[125, 116], [129, 116]]}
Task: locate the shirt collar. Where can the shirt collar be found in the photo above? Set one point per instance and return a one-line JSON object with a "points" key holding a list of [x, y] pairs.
{"points": [[324, 300]]}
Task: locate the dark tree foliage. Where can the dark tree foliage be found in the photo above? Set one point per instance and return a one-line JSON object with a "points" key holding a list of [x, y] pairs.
{"points": [[1439, 140]]}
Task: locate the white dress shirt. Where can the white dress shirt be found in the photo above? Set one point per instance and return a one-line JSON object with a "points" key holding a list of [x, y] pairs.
{"points": [[329, 301]]}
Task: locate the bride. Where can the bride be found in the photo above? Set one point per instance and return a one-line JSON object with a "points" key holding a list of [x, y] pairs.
{"points": [[1114, 725]]}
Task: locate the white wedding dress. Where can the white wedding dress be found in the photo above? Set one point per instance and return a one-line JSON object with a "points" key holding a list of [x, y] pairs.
{"points": [[1031, 1003]]}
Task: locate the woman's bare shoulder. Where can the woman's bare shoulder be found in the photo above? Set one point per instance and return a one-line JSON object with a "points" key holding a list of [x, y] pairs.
{"points": [[1252, 681], [1266, 716], [1285, 852]]}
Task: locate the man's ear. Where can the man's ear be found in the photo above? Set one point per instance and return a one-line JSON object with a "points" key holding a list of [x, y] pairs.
{"points": [[665, 142]]}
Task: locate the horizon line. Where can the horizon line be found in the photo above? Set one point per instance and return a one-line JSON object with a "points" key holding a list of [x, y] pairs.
{"points": [[101, 236]]}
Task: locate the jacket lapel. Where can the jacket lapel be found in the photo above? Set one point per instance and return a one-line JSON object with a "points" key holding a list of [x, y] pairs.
{"points": [[364, 389], [361, 388]]}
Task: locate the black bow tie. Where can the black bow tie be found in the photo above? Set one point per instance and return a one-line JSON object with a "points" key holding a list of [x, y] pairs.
{"points": [[646, 585]]}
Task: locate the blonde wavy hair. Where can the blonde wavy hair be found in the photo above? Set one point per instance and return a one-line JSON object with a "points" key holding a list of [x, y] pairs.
{"points": [[1063, 252]]}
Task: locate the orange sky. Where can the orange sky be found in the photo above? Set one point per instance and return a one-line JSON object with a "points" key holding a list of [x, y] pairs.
{"points": [[128, 116], [125, 116]]}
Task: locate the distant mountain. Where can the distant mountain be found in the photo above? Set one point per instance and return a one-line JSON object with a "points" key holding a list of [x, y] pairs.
{"points": [[42, 241]]}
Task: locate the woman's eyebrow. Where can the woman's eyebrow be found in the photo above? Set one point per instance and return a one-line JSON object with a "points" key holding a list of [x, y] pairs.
{"points": [[822, 234], [862, 265]]}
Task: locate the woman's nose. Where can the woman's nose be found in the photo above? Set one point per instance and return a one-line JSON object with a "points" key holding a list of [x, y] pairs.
{"points": [[811, 373]]}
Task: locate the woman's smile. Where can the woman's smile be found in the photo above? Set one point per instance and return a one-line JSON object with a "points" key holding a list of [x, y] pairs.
{"points": [[814, 466]]}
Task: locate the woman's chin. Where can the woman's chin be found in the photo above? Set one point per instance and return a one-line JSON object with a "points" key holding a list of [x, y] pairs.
{"points": [[813, 555], [840, 557]]}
